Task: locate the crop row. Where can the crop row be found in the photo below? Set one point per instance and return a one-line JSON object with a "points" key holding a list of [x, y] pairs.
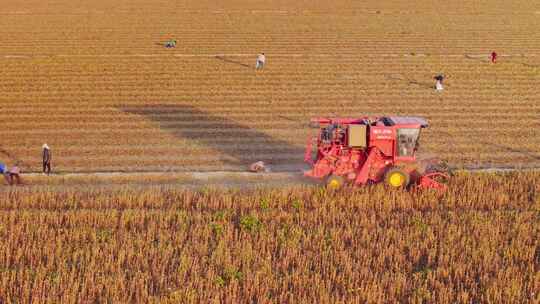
{"points": [[93, 50], [261, 122], [312, 65], [274, 106]]}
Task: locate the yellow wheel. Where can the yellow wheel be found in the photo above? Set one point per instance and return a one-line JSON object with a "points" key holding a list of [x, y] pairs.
{"points": [[334, 182], [397, 178]]}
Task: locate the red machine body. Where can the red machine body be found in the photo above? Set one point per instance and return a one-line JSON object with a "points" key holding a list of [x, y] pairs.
{"points": [[370, 150]]}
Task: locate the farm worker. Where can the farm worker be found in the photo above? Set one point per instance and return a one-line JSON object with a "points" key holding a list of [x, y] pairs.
{"points": [[261, 60], [3, 171], [170, 44], [258, 167], [438, 82], [14, 174], [493, 57], [47, 155]]}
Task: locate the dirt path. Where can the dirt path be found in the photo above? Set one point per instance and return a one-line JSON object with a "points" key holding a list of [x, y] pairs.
{"points": [[195, 180], [112, 180]]}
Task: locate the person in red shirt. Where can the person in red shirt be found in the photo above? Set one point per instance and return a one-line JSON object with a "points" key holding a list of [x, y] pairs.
{"points": [[493, 57]]}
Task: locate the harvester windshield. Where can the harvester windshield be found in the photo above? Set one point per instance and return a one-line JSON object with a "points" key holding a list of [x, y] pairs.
{"points": [[407, 141]]}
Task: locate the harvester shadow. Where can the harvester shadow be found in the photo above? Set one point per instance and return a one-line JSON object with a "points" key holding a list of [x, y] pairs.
{"points": [[222, 58], [235, 144]]}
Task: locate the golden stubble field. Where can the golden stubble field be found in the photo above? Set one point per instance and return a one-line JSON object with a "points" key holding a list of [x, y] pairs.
{"points": [[93, 81]]}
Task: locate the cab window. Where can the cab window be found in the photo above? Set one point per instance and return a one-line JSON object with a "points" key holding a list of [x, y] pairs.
{"points": [[406, 141]]}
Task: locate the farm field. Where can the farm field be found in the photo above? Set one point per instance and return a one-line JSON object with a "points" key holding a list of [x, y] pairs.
{"points": [[477, 243], [152, 203], [93, 81]]}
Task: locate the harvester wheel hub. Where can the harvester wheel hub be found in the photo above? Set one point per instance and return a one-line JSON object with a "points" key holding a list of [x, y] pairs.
{"points": [[397, 179], [334, 182]]}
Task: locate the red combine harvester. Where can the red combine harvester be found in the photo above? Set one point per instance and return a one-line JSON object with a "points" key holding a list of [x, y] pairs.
{"points": [[370, 150]]}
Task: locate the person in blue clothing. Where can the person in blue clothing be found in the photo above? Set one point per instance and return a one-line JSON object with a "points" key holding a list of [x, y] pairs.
{"points": [[5, 173]]}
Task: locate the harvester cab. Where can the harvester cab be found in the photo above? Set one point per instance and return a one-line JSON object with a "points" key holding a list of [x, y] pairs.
{"points": [[371, 150]]}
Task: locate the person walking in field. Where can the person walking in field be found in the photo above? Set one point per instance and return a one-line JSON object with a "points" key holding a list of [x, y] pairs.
{"points": [[14, 175], [46, 159], [259, 166], [170, 44], [261, 60], [493, 57], [438, 82]]}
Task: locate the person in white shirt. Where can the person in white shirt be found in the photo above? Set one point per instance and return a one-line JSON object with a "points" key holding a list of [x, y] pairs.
{"points": [[438, 83], [259, 166], [170, 44], [261, 60]]}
